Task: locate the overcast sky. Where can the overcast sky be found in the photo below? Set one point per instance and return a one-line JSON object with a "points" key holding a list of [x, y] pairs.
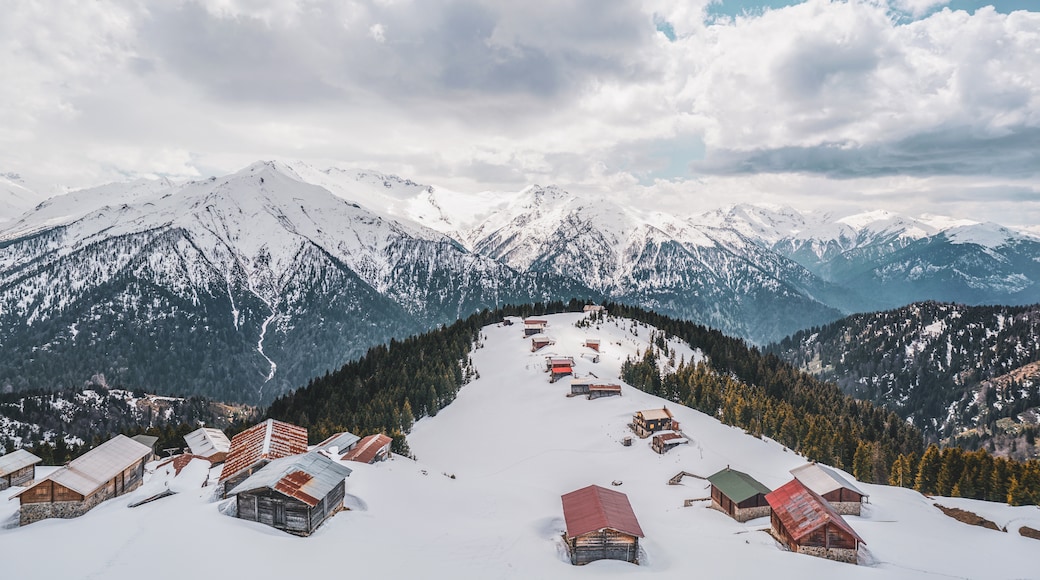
{"points": [[911, 105]]}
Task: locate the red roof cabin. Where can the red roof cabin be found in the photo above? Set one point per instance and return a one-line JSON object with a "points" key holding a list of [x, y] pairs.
{"points": [[592, 343], [256, 447], [370, 449], [807, 524], [559, 367], [534, 326], [600, 526], [646, 423]]}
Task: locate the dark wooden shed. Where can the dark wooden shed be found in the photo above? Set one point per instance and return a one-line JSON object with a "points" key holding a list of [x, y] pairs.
{"points": [[600, 526], [807, 524], [17, 467], [739, 495], [540, 341], [665, 441], [294, 494], [109, 470], [534, 326], [599, 391]]}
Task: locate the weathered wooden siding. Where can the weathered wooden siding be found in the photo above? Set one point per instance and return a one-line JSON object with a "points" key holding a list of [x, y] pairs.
{"points": [[604, 545], [288, 514], [24, 475], [52, 500]]}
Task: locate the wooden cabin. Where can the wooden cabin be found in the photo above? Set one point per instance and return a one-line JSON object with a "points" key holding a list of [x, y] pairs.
{"points": [[599, 391], [534, 326], [594, 308], [600, 526], [17, 467], [559, 367], [109, 470], [665, 441], [210, 444], [540, 341], [646, 423], [845, 498], [739, 495], [581, 386], [338, 444], [294, 494], [370, 449], [807, 524], [257, 446], [592, 343]]}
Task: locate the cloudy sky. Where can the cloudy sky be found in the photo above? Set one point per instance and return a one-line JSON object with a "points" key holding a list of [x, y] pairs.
{"points": [[911, 105]]}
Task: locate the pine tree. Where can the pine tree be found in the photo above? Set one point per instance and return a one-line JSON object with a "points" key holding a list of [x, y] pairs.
{"points": [[928, 472]]}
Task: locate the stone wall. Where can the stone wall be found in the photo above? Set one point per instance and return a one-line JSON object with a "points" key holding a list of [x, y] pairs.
{"points": [[846, 508], [745, 514], [847, 555], [34, 512]]}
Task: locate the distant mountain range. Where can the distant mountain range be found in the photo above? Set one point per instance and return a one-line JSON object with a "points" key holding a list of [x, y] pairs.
{"points": [[245, 286]]}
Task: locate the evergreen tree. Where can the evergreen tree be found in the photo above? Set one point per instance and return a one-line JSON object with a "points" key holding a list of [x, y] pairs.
{"points": [[928, 472]]}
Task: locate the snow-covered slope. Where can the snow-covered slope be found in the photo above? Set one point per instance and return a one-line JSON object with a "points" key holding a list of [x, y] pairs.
{"points": [[515, 444], [16, 197]]}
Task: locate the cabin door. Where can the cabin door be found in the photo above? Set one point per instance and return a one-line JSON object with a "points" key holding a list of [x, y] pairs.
{"points": [[279, 514]]}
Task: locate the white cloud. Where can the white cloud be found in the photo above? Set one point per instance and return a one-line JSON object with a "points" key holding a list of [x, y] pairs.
{"points": [[816, 100]]}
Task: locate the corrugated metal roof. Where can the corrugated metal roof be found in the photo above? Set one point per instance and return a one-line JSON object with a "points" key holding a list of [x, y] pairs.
{"points": [[671, 438], [822, 479], [594, 508], [146, 440], [268, 440], [654, 414], [535, 322], [803, 511], [367, 448], [85, 474], [207, 442], [341, 441], [605, 387], [15, 460], [737, 485], [308, 478]]}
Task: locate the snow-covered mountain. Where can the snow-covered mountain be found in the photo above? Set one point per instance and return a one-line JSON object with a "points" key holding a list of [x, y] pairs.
{"points": [[16, 197], [259, 280], [230, 287], [483, 499]]}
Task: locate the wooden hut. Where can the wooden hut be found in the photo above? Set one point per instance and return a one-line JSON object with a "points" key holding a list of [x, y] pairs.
{"points": [[665, 441], [600, 526], [592, 343], [294, 494], [599, 391], [739, 495], [845, 498], [559, 367], [109, 470], [208, 443], [17, 467], [370, 449], [581, 386], [646, 423], [807, 524], [534, 326], [593, 308], [255, 447], [540, 341], [338, 444]]}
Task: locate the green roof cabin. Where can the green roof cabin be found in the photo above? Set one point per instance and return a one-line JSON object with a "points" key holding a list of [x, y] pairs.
{"points": [[739, 495]]}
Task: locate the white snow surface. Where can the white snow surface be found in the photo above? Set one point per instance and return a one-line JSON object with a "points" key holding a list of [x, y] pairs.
{"points": [[516, 443]]}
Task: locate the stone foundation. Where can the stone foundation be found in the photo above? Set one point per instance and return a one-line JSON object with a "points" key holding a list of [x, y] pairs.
{"points": [[846, 508], [34, 512], [847, 555], [743, 514]]}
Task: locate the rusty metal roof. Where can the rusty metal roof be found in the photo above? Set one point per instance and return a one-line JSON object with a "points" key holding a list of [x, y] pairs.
{"points": [[15, 460], [802, 511], [268, 440], [605, 388], [308, 478], [822, 479], [535, 322], [594, 508], [207, 442], [88, 472], [367, 448], [671, 438]]}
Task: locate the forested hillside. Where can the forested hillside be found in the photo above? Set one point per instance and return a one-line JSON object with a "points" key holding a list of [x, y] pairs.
{"points": [[949, 369]]}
